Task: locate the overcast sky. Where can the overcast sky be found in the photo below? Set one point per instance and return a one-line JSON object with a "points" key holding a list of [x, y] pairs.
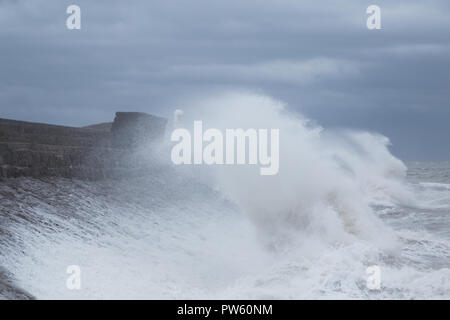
{"points": [[317, 56]]}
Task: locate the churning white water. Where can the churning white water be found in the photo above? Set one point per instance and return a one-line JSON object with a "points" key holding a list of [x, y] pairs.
{"points": [[340, 203]]}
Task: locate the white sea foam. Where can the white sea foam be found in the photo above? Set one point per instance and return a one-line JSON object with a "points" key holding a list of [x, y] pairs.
{"points": [[228, 232], [326, 181]]}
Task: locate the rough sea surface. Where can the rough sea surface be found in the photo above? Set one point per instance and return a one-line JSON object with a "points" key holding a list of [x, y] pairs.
{"points": [[169, 235]]}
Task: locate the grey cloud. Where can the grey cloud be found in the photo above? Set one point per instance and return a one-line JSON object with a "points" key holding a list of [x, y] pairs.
{"points": [[318, 57]]}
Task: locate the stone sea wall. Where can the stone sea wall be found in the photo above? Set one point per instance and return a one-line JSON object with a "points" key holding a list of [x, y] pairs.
{"points": [[94, 152]]}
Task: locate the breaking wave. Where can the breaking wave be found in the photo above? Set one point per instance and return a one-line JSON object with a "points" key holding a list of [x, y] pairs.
{"points": [[340, 203]]}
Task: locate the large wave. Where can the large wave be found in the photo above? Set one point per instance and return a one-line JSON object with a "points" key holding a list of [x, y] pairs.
{"points": [[224, 231], [326, 182]]}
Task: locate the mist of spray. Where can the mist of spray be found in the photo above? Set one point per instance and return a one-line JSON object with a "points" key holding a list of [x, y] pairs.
{"points": [[326, 182], [174, 233]]}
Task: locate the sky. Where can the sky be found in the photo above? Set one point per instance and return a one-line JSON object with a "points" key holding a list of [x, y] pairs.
{"points": [[318, 57]]}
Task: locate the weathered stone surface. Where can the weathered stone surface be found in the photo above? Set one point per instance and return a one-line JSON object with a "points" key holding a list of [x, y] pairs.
{"points": [[94, 152]]}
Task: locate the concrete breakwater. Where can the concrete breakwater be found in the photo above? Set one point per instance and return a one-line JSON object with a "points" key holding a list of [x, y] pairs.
{"points": [[91, 153]]}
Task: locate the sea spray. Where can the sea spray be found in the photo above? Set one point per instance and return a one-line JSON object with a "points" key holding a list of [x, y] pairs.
{"points": [[325, 182], [227, 232]]}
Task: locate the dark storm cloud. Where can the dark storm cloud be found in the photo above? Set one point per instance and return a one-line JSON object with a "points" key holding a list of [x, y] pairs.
{"points": [[318, 56]]}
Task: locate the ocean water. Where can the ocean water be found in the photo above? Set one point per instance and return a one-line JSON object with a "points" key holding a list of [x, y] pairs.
{"points": [[340, 204], [137, 242]]}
